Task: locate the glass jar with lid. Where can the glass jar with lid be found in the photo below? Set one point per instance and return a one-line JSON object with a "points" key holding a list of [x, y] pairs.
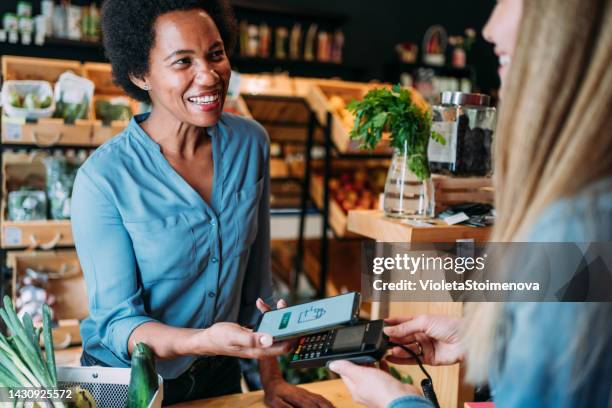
{"points": [[467, 123]]}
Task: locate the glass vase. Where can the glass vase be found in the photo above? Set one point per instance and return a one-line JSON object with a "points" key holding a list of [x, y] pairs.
{"points": [[406, 196]]}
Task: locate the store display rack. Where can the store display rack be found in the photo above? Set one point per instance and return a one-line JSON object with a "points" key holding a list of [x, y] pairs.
{"points": [[333, 218]]}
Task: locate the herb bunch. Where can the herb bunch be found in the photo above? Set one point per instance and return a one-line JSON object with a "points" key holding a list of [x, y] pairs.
{"points": [[393, 110]]}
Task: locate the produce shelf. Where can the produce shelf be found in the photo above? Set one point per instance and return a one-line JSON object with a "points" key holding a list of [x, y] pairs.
{"points": [[330, 98], [36, 234], [66, 284], [47, 132]]}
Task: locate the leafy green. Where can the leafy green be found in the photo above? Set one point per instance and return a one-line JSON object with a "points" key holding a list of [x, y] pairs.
{"points": [[392, 110]]}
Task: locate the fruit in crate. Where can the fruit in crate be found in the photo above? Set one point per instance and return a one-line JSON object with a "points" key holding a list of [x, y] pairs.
{"points": [[353, 190], [338, 106]]}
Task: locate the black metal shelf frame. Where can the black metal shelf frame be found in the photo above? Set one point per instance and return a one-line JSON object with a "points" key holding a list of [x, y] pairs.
{"points": [[331, 152]]}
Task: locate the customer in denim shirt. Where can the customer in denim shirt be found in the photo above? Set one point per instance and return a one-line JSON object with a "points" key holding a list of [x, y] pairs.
{"points": [[553, 183]]}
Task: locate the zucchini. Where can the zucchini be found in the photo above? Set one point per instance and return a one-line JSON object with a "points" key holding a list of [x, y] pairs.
{"points": [[143, 377]]}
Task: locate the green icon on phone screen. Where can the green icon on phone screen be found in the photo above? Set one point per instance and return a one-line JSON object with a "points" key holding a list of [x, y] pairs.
{"points": [[285, 321]]}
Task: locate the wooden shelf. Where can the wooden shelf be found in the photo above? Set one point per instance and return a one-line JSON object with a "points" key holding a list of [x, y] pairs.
{"points": [[36, 234], [48, 132], [373, 224]]}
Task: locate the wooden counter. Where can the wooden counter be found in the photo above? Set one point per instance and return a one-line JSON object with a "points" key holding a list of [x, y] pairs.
{"points": [[334, 390], [373, 224]]}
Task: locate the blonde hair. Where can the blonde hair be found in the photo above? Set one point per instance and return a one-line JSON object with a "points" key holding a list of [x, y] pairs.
{"points": [[553, 134]]}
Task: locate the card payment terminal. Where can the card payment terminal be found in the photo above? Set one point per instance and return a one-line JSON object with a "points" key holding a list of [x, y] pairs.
{"points": [[362, 343]]}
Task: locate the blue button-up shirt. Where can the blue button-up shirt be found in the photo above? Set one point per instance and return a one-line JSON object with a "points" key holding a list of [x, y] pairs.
{"points": [[152, 249]]}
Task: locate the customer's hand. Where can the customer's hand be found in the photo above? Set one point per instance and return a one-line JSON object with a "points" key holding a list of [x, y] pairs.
{"points": [[438, 337], [371, 386], [264, 307]]}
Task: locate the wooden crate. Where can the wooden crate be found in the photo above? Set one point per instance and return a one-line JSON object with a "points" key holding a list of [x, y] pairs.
{"points": [[239, 107], [459, 190], [101, 75], [19, 169], [337, 216], [278, 168], [103, 132], [42, 69], [267, 84], [321, 100], [48, 131], [69, 290]]}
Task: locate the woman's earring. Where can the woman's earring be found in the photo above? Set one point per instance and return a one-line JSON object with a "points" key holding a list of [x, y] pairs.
{"points": [[146, 87]]}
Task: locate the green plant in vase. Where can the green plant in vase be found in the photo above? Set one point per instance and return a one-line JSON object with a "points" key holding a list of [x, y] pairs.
{"points": [[406, 117]]}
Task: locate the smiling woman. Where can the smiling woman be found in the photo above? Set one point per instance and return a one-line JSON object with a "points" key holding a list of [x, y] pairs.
{"points": [[171, 217]]}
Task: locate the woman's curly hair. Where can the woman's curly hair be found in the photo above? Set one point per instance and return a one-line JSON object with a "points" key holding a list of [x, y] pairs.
{"points": [[128, 32]]}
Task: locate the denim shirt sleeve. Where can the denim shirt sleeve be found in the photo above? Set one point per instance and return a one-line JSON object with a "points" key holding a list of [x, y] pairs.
{"points": [[538, 363], [258, 278], [410, 401], [109, 266]]}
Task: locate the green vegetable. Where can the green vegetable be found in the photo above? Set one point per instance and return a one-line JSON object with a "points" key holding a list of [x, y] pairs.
{"points": [[394, 110], [143, 377], [108, 112], [21, 359], [45, 103], [31, 101], [48, 343], [71, 111], [15, 99]]}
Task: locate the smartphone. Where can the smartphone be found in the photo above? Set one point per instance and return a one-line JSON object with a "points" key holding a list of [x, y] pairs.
{"points": [[311, 317]]}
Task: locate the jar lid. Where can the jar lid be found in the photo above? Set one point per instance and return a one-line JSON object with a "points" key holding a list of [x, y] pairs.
{"points": [[461, 98]]}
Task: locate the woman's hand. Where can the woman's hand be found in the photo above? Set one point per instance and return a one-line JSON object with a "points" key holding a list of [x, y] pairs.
{"points": [[231, 339], [438, 337], [371, 386]]}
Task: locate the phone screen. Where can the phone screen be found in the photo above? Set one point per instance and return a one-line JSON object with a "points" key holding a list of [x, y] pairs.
{"points": [[308, 317]]}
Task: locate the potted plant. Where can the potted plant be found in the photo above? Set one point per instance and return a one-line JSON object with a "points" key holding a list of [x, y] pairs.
{"points": [[404, 115]]}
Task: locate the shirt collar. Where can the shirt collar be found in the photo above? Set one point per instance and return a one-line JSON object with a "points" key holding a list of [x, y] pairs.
{"points": [[135, 129]]}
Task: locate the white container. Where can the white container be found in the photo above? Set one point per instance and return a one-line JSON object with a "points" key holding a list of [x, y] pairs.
{"points": [[41, 88], [109, 386]]}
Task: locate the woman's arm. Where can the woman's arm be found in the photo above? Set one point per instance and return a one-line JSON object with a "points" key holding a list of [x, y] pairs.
{"points": [[109, 265]]}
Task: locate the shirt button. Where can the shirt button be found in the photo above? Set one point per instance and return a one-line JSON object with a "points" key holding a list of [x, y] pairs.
{"points": [[211, 294], [213, 260], [213, 223]]}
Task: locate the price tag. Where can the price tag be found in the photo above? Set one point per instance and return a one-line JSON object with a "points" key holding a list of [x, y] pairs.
{"points": [[13, 132], [11, 235], [456, 218]]}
